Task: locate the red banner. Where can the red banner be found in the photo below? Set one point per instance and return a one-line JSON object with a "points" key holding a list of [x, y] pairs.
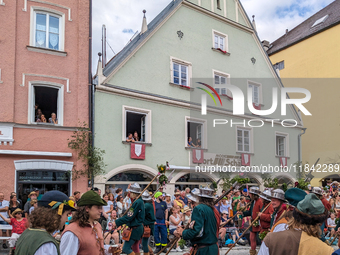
{"points": [[257, 106], [283, 161], [137, 151], [197, 156], [245, 159]]}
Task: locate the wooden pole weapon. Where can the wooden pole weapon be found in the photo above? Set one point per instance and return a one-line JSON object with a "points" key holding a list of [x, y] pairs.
{"points": [[175, 239], [225, 223], [154, 178], [244, 232]]}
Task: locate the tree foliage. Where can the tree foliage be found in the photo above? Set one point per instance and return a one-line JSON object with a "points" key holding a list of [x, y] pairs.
{"points": [[92, 158]]}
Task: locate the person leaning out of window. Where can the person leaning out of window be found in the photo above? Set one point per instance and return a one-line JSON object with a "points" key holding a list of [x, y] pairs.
{"points": [[53, 119], [130, 139], [136, 137], [42, 119]]}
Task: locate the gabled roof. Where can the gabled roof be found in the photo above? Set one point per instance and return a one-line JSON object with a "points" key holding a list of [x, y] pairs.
{"points": [[117, 59], [306, 28]]}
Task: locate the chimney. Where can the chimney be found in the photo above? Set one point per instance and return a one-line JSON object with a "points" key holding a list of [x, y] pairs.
{"points": [[286, 31], [265, 45], [254, 24], [103, 46], [99, 73], [144, 24]]}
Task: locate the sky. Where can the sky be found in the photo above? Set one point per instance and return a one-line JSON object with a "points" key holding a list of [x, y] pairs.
{"points": [[123, 18]]}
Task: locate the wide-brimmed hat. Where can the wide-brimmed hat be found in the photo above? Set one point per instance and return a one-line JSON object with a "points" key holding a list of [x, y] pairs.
{"points": [[186, 209], [135, 188], [266, 195], [294, 196], [91, 198], [206, 192], [310, 210], [32, 193], [317, 191], [168, 195], [195, 192], [55, 199], [278, 194], [18, 210], [192, 198], [146, 196], [255, 190], [177, 193], [225, 212]]}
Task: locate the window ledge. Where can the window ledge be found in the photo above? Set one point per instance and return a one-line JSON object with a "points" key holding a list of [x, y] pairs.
{"points": [[45, 124], [241, 152], [47, 51], [194, 148], [146, 144], [229, 97], [220, 51], [181, 86], [276, 156]]}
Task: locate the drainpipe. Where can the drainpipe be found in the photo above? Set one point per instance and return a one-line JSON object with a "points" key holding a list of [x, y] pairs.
{"points": [[91, 85], [299, 145]]}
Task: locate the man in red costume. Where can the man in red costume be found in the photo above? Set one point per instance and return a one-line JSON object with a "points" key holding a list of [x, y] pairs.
{"points": [[318, 192], [265, 217], [279, 206], [255, 208]]}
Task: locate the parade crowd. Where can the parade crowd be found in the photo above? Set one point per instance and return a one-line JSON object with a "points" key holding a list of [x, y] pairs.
{"points": [[292, 222]]}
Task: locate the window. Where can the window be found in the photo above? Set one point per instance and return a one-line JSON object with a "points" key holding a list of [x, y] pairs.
{"points": [[47, 29], [319, 21], [281, 144], [220, 80], [219, 4], [180, 72], [256, 93], [196, 133], [243, 140], [280, 65], [46, 104], [220, 41], [137, 120]]}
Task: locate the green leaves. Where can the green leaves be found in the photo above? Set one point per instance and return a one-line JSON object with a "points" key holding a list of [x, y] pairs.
{"points": [[91, 157], [271, 183]]}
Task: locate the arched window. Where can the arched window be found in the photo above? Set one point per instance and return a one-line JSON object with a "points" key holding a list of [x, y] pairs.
{"points": [[122, 180], [192, 180]]}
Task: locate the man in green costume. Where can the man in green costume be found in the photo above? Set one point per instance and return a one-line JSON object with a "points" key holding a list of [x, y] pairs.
{"points": [[51, 215], [133, 219], [204, 226]]}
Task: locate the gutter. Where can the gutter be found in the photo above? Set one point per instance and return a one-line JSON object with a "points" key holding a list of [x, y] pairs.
{"points": [[90, 84], [299, 145]]}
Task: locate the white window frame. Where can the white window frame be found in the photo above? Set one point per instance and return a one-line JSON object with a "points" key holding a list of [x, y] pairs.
{"points": [[148, 117], [286, 144], [259, 85], [204, 132], [48, 11], [251, 139], [225, 75], [221, 35], [180, 62], [31, 100]]}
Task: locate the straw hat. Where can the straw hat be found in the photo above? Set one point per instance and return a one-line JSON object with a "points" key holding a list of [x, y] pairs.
{"points": [[186, 209], [32, 193], [18, 210]]}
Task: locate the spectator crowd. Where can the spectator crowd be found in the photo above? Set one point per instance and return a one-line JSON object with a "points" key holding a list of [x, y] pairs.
{"points": [[170, 211]]}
